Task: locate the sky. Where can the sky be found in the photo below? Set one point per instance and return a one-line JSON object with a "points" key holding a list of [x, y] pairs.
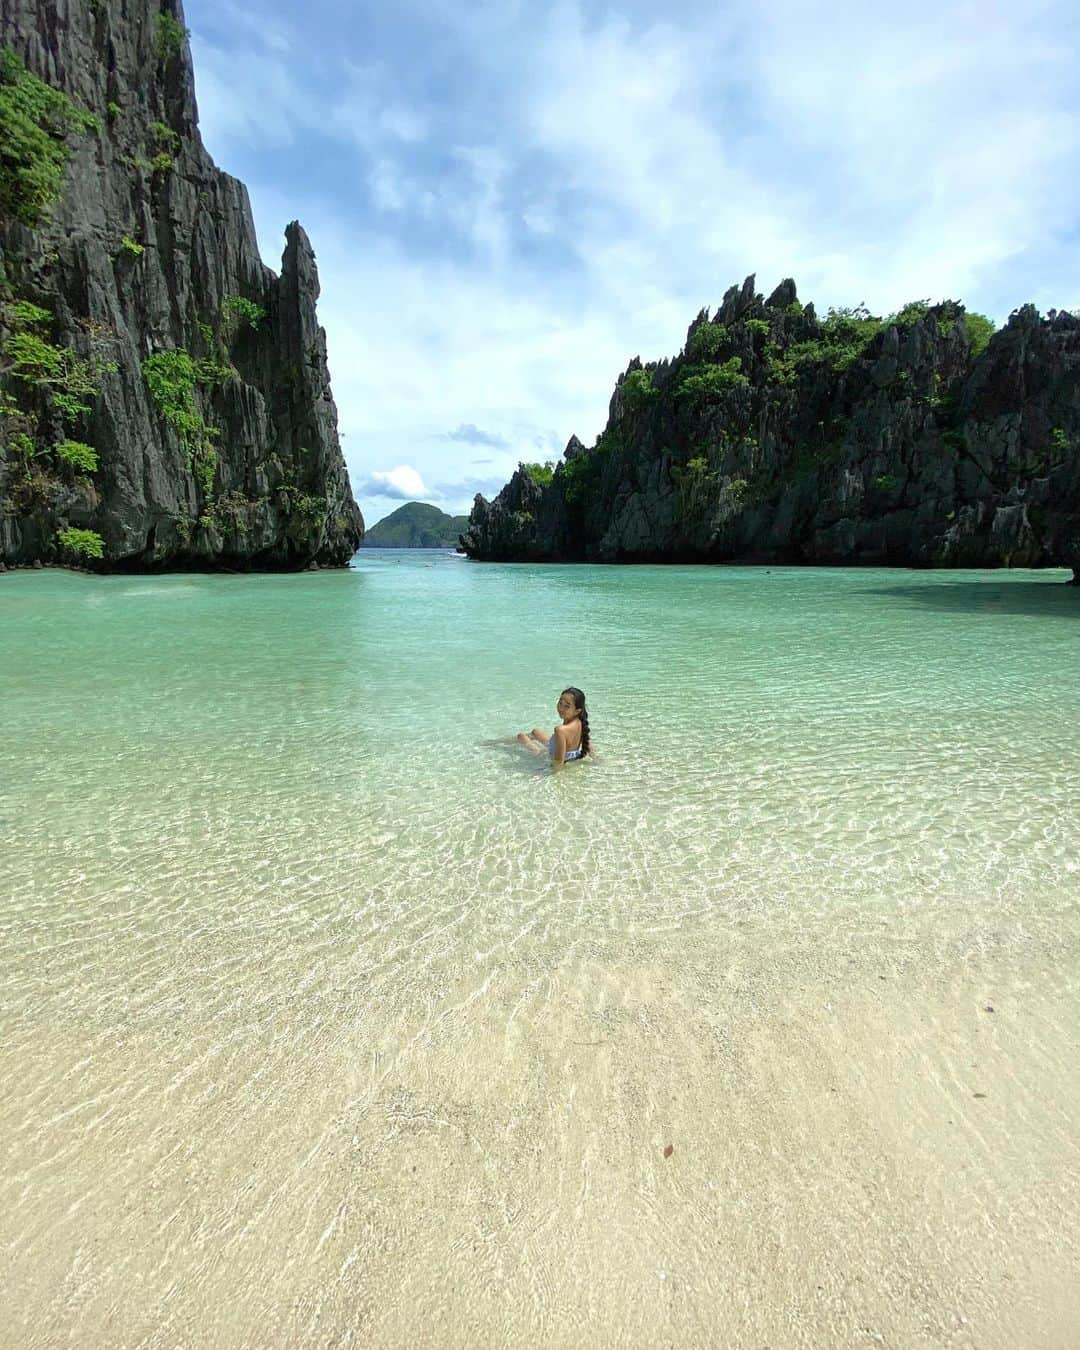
{"points": [[508, 201]]}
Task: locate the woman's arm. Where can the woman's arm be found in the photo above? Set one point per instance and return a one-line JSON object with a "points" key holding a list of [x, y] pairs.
{"points": [[559, 757]]}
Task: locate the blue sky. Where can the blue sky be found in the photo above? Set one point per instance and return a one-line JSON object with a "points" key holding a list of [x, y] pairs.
{"points": [[509, 200]]}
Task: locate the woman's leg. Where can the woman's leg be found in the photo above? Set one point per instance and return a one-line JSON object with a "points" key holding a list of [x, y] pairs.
{"points": [[530, 743]]}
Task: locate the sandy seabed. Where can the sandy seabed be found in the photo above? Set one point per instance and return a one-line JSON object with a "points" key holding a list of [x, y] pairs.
{"points": [[720, 1153]]}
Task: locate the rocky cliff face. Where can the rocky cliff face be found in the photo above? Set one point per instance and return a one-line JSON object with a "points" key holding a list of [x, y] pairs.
{"points": [[164, 396], [778, 436]]}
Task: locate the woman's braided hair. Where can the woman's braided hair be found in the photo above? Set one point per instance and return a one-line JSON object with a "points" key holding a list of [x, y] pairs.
{"points": [[579, 704]]}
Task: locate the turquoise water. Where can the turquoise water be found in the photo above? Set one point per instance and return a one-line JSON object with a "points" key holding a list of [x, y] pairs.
{"points": [[279, 885], [849, 733]]}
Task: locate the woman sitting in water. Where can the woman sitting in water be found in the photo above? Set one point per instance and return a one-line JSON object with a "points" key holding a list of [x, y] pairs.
{"points": [[568, 741]]}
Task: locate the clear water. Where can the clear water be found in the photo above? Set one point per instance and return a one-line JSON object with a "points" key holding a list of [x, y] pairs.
{"points": [[330, 1014]]}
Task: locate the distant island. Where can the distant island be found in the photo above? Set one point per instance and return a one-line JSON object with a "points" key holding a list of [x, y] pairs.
{"points": [[416, 525]]}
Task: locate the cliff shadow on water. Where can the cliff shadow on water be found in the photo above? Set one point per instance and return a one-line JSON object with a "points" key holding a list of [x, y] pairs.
{"points": [[1036, 599]]}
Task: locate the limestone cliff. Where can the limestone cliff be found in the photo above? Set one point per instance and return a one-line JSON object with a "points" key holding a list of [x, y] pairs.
{"points": [[164, 396], [778, 436]]}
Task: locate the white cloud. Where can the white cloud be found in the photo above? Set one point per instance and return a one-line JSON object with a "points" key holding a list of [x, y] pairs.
{"points": [[474, 435], [402, 482], [481, 214], [872, 154], [465, 489], [252, 103], [403, 124], [367, 112], [266, 31], [387, 190]]}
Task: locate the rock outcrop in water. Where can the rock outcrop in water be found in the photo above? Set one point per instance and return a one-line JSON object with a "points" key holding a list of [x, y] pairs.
{"points": [[778, 436], [165, 396]]}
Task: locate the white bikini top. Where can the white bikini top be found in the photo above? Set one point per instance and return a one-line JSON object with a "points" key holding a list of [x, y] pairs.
{"points": [[570, 754]]}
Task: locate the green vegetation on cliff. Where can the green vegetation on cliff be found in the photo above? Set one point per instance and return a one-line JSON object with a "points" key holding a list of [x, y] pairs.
{"points": [[707, 341], [979, 330], [540, 473], [35, 121], [42, 384], [78, 454], [416, 525], [638, 390], [237, 313], [701, 383], [171, 36], [172, 378], [842, 338], [82, 543]]}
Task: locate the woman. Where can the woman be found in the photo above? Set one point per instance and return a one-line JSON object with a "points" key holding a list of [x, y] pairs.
{"points": [[569, 740]]}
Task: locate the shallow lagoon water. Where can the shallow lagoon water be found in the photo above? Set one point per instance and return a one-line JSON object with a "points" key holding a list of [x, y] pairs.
{"points": [[325, 1019]]}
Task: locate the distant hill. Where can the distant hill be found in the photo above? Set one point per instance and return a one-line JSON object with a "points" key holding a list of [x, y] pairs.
{"points": [[416, 525]]}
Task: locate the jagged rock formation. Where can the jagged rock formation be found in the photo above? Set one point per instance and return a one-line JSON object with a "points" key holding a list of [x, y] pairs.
{"points": [[191, 380], [777, 436]]}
